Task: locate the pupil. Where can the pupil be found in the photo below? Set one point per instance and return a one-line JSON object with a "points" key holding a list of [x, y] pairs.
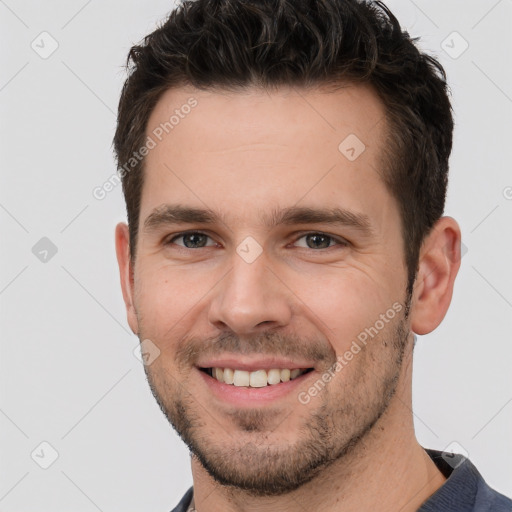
{"points": [[194, 239], [317, 241]]}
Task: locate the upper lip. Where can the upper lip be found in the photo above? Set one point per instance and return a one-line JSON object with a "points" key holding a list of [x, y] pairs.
{"points": [[251, 364]]}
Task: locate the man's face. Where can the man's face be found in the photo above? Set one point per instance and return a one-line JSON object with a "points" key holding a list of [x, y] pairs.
{"points": [[247, 291]]}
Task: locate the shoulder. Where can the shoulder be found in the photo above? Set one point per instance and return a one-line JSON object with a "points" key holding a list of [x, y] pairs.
{"points": [[464, 489], [184, 502]]}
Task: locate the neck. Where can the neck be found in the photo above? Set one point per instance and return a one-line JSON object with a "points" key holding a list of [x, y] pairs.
{"points": [[387, 470]]}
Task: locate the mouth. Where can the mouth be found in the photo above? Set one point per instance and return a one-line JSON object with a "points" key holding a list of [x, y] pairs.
{"points": [[254, 379]]}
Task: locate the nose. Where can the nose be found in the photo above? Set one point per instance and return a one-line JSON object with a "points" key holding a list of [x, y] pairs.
{"points": [[250, 298]]}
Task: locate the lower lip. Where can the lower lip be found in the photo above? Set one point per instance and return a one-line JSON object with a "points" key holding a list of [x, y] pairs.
{"points": [[242, 395]]}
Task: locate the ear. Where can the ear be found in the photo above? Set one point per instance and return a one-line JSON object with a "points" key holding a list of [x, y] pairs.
{"points": [[439, 263], [126, 273]]}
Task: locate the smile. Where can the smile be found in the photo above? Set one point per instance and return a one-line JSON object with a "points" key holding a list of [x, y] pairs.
{"points": [[255, 379]]}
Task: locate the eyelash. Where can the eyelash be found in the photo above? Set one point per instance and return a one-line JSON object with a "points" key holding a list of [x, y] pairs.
{"points": [[341, 242]]}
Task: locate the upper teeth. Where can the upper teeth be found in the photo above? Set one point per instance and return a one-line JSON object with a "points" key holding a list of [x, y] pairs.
{"points": [[257, 378]]}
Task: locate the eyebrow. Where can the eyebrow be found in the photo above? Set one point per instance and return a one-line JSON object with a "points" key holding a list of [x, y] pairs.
{"points": [[169, 214]]}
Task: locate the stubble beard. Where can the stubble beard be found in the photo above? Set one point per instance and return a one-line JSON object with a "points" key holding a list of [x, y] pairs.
{"points": [[330, 432]]}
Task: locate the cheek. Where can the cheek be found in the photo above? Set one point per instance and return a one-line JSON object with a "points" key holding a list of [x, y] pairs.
{"points": [[344, 303], [166, 297]]}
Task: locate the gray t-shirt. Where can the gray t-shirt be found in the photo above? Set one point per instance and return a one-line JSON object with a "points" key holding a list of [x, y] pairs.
{"points": [[464, 490]]}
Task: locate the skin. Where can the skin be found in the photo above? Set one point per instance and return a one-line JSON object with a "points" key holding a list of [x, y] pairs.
{"points": [[352, 446]]}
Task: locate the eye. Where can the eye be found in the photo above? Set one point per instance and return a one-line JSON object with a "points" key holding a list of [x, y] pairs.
{"points": [[320, 241], [199, 240], [191, 240]]}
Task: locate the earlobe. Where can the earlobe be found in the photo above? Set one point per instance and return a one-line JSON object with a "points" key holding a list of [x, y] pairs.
{"points": [[438, 266], [122, 242]]}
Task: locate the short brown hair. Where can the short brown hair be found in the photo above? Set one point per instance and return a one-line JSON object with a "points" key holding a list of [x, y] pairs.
{"points": [[236, 44]]}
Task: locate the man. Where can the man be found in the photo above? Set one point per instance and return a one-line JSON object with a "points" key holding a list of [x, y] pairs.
{"points": [[284, 166]]}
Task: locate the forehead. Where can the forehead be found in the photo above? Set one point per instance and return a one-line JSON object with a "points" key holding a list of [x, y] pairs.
{"points": [[230, 151]]}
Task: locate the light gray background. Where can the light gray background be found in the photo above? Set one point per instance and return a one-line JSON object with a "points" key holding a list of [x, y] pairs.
{"points": [[69, 375]]}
